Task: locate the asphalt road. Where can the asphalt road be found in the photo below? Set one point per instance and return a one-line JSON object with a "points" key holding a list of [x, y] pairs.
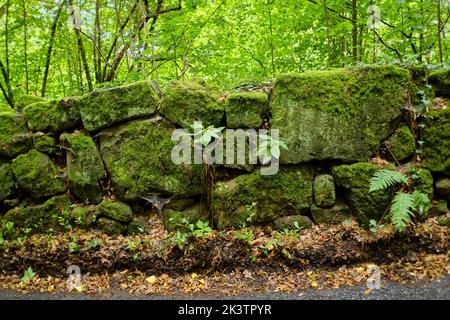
{"points": [[435, 290]]}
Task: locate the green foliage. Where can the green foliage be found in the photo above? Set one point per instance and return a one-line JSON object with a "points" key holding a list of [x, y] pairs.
{"points": [[384, 179], [28, 275], [401, 211]]}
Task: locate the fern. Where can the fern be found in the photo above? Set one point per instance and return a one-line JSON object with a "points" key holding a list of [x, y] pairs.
{"points": [[401, 210], [421, 202], [384, 179]]}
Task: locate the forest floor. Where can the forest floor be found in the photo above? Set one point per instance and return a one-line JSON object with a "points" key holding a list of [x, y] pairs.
{"points": [[253, 262]]}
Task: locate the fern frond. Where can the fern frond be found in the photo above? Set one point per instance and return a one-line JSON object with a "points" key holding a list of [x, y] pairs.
{"points": [[421, 202], [401, 210], [384, 179]]}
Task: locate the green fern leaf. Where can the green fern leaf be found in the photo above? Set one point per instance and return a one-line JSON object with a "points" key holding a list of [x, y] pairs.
{"points": [[384, 179], [421, 202], [401, 210]]}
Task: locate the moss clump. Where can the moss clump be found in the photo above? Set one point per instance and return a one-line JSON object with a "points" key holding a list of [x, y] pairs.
{"points": [[436, 138], [246, 110], [355, 180], [337, 115], [111, 227], [292, 222], [53, 215], [53, 115], [84, 216], [255, 199], [108, 106], [401, 145], [324, 190], [333, 215], [7, 182], [14, 136], [135, 227], [186, 101], [440, 80], [115, 210], [423, 181], [137, 156], [26, 100], [44, 143], [85, 167], [36, 173]]}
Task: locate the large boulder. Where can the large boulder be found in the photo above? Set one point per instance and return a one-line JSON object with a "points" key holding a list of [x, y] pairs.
{"points": [[339, 114], [255, 199], [137, 156], [436, 141], [14, 135], [53, 115], [247, 109], [7, 182], [85, 167], [187, 101], [105, 107], [36, 173], [355, 180], [115, 210]]}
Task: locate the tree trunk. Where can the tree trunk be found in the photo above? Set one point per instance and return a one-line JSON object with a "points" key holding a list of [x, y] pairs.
{"points": [[355, 30], [439, 31], [25, 51]]}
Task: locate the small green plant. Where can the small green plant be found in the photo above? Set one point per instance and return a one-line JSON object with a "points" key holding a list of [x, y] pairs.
{"points": [[406, 201], [200, 229], [93, 244], [246, 235], [28, 275], [179, 239], [2, 240], [134, 245], [375, 227], [73, 245], [269, 148]]}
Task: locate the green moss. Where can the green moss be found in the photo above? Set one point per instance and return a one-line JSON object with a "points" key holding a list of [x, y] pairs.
{"points": [[355, 180], [187, 101], [105, 107], [137, 156], [53, 115], [111, 227], [54, 215], [44, 143], [255, 199], [115, 210], [84, 216], [438, 208], [340, 114], [436, 138], [292, 222], [36, 173], [443, 188], [246, 110], [26, 100], [402, 144], [423, 181], [14, 136], [7, 182], [5, 108], [324, 190], [440, 80], [85, 167]]}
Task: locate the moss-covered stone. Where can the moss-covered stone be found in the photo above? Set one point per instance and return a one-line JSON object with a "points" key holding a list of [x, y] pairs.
{"points": [[246, 110], [442, 188], [324, 190], [438, 208], [440, 80], [256, 199], [14, 136], [180, 204], [85, 167], [115, 210], [401, 145], [26, 100], [179, 219], [53, 115], [187, 101], [84, 216], [105, 107], [7, 182], [54, 215], [136, 226], [355, 181], [137, 156], [436, 138], [423, 181], [337, 115], [292, 222], [111, 227], [333, 215], [44, 143], [36, 173]]}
